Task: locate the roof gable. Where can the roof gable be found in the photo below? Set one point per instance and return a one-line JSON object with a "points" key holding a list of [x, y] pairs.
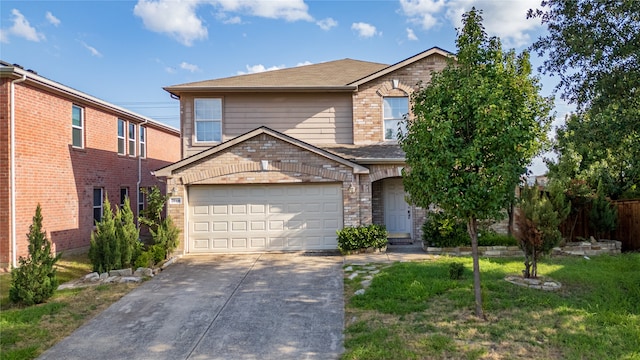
{"points": [[403, 63], [168, 170]]}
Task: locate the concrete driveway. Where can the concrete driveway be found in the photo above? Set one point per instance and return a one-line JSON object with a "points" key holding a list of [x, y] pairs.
{"points": [[262, 306]]}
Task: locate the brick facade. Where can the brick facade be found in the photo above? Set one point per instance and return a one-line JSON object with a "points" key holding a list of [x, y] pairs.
{"points": [[61, 178], [367, 101]]}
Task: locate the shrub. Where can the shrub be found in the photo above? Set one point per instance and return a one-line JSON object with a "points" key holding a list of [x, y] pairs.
{"points": [[456, 270], [362, 237], [165, 238], [127, 234], [104, 251], [35, 280], [491, 238], [163, 231], [444, 230], [145, 259], [603, 216]]}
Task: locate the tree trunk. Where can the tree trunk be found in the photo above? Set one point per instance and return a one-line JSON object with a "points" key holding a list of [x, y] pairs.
{"points": [[511, 213], [472, 229]]}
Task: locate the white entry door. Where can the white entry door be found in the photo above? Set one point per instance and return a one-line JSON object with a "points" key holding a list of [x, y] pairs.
{"points": [[397, 213]]}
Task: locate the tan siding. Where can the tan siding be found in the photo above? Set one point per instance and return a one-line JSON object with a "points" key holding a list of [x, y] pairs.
{"points": [[316, 119]]}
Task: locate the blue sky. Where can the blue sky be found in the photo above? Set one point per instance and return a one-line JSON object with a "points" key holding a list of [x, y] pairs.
{"points": [[124, 52]]}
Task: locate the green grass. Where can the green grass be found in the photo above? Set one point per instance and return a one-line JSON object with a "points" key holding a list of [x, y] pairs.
{"points": [[25, 332], [414, 311]]}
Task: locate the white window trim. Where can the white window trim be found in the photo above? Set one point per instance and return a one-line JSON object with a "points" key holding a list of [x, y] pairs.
{"points": [[384, 119], [142, 141], [81, 127], [129, 140], [126, 189], [123, 137], [195, 121]]}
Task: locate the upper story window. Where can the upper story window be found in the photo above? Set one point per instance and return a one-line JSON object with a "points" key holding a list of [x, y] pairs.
{"points": [[208, 120], [395, 110], [77, 126], [132, 139], [143, 141], [121, 140]]}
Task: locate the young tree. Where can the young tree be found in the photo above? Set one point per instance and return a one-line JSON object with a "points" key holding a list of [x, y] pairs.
{"points": [[538, 222], [476, 126], [104, 248], [127, 234], [35, 280], [603, 216]]}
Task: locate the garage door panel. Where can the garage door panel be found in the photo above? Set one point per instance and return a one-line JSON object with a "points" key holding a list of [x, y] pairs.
{"points": [[240, 218]]}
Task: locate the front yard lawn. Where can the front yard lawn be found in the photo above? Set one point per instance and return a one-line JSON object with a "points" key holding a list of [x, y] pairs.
{"points": [[414, 311], [25, 332]]}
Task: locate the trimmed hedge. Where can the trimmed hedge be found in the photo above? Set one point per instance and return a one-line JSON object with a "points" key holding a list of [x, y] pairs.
{"points": [[362, 237]]}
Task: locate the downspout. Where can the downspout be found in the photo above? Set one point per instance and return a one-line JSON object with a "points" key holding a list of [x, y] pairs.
{"points": [[14, 257], [140, 169]]}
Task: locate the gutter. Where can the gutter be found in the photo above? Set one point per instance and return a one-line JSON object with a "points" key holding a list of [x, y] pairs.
{"points": [[140, 171], [14, 257]]}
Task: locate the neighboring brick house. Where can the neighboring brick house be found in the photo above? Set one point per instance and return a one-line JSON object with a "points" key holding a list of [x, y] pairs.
{"points": [[65, 150], [280, 160]]}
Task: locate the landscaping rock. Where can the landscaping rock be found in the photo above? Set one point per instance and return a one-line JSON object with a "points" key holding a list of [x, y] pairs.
{"points": [[90, 276], [359, 292]]}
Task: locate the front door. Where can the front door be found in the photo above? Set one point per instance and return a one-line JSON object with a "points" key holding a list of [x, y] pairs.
{"points": [[397, 213]]}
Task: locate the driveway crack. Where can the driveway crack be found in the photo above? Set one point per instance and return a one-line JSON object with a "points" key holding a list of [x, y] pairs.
{"points": [[223, 307]]}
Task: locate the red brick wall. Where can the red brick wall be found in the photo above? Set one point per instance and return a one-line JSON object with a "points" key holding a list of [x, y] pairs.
{"points": [[49, 171], [5, 190]]}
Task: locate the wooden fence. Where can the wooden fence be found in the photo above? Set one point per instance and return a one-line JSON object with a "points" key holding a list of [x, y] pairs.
{"points": [[628, 230]]}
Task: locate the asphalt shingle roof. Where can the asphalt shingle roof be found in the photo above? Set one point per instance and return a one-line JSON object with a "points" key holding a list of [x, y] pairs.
{"points": [[328, 74]]}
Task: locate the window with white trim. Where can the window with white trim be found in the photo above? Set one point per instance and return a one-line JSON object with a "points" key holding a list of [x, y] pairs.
{"points": [[142, 135], [395, 110], [77, 126], [208, 120], [122, 125], [132, 139], [98, 201]]}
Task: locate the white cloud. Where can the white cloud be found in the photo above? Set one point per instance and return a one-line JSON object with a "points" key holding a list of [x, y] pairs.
{"points": [[289, 10], [364, 30], [233, 20], [305, 63], [422, 12], [507, 21], [252, 69], [174, 17], [411, 35], [21, 28], [189, 67], [52, 19], [92, 50], [326, 24]]}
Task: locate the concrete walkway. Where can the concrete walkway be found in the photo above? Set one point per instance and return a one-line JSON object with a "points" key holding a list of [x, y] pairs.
{"points": [[262, 306]]}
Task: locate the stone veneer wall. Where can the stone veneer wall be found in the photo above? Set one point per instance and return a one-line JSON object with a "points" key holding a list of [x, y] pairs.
{"points": [[579, 249]]}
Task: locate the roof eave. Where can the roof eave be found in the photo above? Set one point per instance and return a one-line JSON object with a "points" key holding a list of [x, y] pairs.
{"points": [[379, 161], [257, 89]]}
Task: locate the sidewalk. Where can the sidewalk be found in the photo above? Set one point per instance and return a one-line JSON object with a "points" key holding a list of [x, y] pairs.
{"points": [[394, 253]]}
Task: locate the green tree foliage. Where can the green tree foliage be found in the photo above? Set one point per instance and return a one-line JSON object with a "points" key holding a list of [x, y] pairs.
{"points": [[594, 47], [590, 151], [476, 127], [104, 249], [538, 223], [603, 216], [114, 243], [35, 280], [163, 231], [151, 216], [128, 234]]}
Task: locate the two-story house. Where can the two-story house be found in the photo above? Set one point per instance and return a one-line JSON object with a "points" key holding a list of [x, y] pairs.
{"points": [[67, 150], [280, 160]]}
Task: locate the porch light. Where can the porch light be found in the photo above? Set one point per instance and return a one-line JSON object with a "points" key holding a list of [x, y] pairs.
{"points": [[352, 188]]}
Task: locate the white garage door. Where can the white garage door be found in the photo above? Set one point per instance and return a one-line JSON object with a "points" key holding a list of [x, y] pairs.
{"points": [[240, 218]]}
